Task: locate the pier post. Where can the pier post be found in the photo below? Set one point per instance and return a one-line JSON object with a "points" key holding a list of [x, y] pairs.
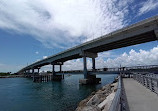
{"points": [[93, 64]]}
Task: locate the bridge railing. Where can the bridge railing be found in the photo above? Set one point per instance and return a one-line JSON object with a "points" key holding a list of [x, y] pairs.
{"points": [[149, 82], [116, 103]]}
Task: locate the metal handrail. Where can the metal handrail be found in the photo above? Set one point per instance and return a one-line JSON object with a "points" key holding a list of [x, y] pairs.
{"points": [[115, 105], [149, 82]]}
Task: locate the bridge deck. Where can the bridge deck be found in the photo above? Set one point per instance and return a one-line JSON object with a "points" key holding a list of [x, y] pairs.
{"points": [[139, 98]]}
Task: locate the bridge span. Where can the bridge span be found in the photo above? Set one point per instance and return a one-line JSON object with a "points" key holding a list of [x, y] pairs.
{"points": [[144, 31]]}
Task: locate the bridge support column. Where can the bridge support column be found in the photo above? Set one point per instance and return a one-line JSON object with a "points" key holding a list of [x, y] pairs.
{"points": [[33, 73], [156, 33], [85, 67], [89, 79], [93, 64], [61, 71], [38, 70], [54, 76]]}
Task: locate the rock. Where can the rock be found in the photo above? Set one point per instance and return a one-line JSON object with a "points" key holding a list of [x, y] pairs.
{"points": [[100, 100], [95, 100], [107, 102], [89, 108], [93, 93], [82, 103], [114, 86]]}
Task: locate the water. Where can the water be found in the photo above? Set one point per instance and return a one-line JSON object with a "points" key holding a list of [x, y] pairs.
{"points": [[21, 94]]}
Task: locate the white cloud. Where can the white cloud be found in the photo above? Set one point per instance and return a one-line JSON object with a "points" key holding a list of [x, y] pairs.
{"points": [[63, 20], [148, 6], [44, 57], [36, 52]]}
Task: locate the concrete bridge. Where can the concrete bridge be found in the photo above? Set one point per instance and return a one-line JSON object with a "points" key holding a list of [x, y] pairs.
{"points": [[144, 31]]}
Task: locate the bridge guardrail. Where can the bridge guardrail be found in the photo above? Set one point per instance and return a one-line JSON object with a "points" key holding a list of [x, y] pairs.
{"points": [[116, 103], [149, 82]]}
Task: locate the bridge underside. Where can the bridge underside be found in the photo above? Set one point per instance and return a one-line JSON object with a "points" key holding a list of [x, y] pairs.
{"points": [[141, 32], [142, 38]]}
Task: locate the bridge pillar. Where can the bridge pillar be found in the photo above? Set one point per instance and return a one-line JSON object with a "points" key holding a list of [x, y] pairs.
{"points": [[53, 69], [89, 79], [60, 68], [61, 71], [33, 73], [54, 76], [38, 70], [156, 33], [85, 67], [93, 64], [33, 70]]}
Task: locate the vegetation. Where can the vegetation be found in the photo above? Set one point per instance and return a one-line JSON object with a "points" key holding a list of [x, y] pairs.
{"points": [[5, 74]]}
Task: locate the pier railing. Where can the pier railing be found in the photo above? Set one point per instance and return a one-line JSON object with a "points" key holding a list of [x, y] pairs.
{"points": [[115, 105], [149, 81]]}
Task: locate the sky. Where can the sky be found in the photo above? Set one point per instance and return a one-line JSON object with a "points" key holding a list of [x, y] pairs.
{"points": [[31, 30]]}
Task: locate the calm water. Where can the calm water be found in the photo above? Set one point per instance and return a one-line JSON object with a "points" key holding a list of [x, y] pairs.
{"points": [[21, 94]]}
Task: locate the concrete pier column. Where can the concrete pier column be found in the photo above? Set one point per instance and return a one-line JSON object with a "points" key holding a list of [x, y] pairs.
{"points": [[85, 67], [60, 68], [61, 71], [33, 73], [93, 64], [54, 76], [38, 70], [53, 69]]}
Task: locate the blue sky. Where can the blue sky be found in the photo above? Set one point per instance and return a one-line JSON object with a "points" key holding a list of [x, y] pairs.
{"points": [[32, 30]]}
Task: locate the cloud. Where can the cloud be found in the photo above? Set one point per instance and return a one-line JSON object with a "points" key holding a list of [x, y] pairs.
{"points": [[44, 57], [63, 20], [36, 52], [133, 58], [148, 6]]}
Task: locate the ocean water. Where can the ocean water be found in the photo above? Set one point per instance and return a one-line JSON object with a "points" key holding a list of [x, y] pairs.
{"points": [[21, 94]]}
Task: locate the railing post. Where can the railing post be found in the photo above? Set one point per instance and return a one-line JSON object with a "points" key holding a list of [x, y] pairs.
{"points": [[152, 85], [143, 81], [147, 82], [157, 86]]}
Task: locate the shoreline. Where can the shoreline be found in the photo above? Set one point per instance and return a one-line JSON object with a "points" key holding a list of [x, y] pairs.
{"points": [[99, 100], [12, 76]]}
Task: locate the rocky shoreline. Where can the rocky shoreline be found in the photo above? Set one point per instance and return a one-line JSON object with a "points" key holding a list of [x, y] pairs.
{"points": [[100, 100]]}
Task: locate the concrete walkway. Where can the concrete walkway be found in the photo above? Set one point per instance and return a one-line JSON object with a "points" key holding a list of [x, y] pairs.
{"points": [[139, 97]]}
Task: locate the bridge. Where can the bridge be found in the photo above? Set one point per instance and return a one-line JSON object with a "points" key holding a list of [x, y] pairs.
{"points": [[144, 31]]}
